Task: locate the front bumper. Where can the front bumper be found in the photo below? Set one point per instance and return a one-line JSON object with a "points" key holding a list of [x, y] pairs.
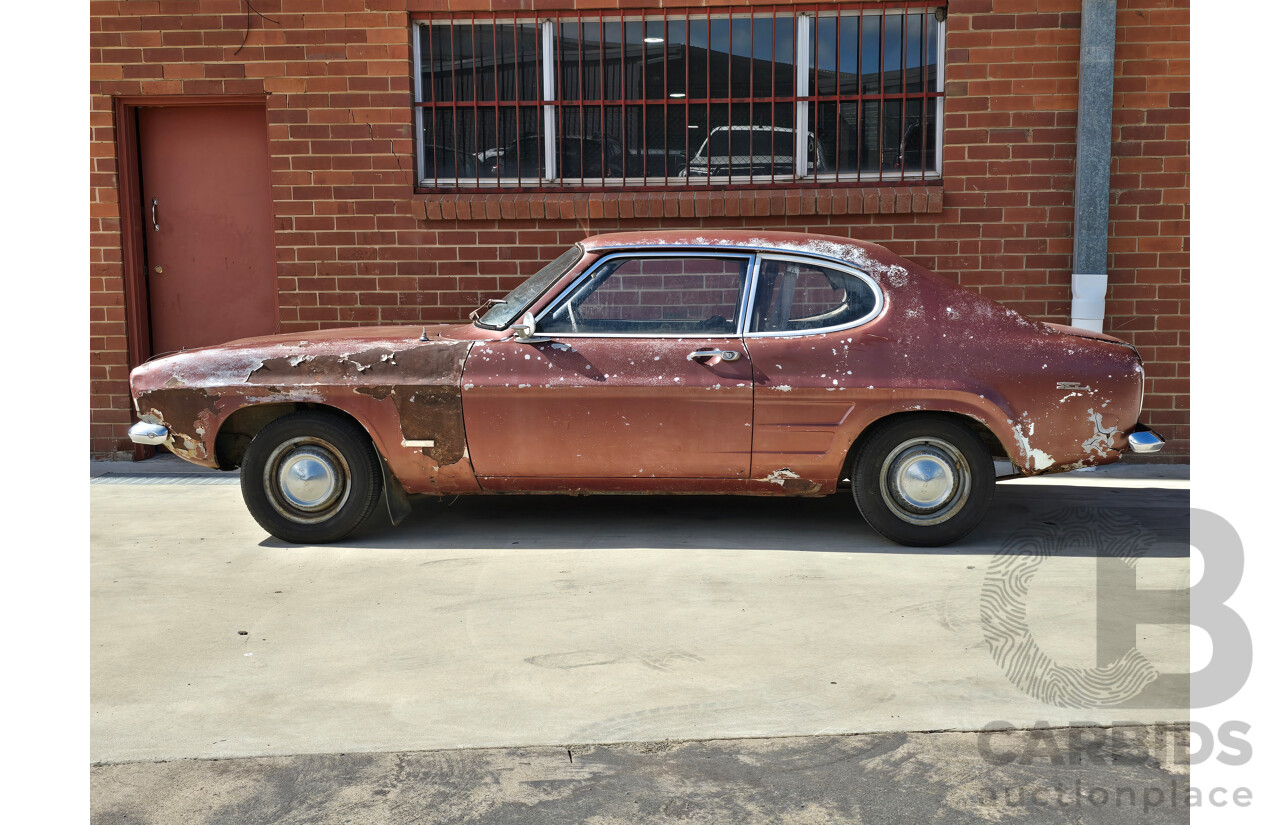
{"points": [[146, 433], [1144, 440]]}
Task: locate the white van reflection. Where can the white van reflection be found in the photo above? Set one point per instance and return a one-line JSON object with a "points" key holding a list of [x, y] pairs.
{"points": [[758, 151]]}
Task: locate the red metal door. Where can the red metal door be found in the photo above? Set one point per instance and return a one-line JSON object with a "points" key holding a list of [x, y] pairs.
{"points": [[608, 408], [206, 208]]}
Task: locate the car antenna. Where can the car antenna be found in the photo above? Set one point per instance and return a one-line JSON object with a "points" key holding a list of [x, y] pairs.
{"points": [[424, 334]]}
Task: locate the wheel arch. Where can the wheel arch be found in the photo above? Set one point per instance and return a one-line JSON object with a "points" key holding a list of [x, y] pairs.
{"points": [[239, 428], [995, 446]]}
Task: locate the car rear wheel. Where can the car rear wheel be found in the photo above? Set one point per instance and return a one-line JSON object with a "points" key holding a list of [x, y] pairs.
{"points": [[310, 477], [923, 480]]}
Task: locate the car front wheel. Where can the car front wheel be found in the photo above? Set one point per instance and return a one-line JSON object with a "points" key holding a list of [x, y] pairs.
{"points": [[923, 481], [310, 477]]}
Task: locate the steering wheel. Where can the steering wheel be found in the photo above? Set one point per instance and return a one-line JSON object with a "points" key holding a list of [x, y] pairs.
{"points": [[716, 323], [573, 319]]}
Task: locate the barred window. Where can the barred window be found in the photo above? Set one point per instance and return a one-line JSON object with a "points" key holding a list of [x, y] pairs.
{"points": [[674, 98]]}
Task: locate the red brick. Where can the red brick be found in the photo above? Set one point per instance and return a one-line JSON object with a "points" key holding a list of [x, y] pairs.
{"points": [[356, 245]]}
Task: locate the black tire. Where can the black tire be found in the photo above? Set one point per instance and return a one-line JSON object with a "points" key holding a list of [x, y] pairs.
{"points": [[923, 480], [310, 477]]}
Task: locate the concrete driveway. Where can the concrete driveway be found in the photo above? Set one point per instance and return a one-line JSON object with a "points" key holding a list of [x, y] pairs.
{"points": [[535, 621]]}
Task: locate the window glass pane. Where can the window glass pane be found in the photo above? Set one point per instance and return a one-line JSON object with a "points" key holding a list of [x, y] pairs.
{"points": [[848, 148], [849, 53], [740, 63], [824, 55], [718, 79], [915, 53], [784, 68], [439, 63], [463, 65], [569, 57], [592, 69], [911, 143], [893, 30], [762, 56], [663, 156], [699, 58], [891, 134], [869, 146], [870, 53], [614, 86], [441, 159], [486, 39], [696, 129], [655, 69], [677, 58], [633, 59], [655, 295], [794, 296]]}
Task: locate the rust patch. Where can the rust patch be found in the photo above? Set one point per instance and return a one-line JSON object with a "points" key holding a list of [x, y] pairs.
{"points": [[433, 413], [380, 393], [186, 411]]}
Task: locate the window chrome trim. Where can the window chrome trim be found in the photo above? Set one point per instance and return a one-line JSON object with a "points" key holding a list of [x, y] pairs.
{"points": [[835, 264], [656, 252]]}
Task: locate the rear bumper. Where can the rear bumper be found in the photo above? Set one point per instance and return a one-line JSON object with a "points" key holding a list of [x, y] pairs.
{"points": [[1144, 440], [146, 433]]}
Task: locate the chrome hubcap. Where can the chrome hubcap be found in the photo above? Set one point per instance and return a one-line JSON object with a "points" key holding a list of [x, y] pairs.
{"points": [[306, 480], [925, 481]]}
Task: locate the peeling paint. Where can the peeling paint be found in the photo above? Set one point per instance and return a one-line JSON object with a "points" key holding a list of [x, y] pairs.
{"points": [[791, 482], [1103, 438], [1035, 459]]}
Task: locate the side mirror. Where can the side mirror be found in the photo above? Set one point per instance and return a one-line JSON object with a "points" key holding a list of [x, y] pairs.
{"points": [[526, 332]]}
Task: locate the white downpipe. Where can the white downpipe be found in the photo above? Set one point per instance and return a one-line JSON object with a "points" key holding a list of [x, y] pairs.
{"points": [[1088, 300]]}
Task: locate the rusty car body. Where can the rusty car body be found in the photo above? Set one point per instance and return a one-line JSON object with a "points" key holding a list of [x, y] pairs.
{"points": [[727, 362]]}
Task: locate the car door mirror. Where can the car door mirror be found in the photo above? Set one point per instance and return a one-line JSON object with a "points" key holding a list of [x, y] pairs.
{"points": [[526, 331]]}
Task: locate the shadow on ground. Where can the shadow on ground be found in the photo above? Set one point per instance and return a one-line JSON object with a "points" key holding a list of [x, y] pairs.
{"points": [[1157, 516]]}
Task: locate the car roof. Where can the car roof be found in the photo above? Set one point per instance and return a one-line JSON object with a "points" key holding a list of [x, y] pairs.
{"points": [[829, 246]]}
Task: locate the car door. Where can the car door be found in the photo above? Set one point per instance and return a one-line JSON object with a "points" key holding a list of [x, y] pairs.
{"points": [[807, 338], [642, 375]]}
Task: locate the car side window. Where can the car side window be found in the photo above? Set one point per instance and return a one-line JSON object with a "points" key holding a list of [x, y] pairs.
{"points": [[794, 296], [654, 295]]}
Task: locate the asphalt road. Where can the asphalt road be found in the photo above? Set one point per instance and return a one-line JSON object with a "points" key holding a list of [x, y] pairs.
{"points": [[528, 624]]}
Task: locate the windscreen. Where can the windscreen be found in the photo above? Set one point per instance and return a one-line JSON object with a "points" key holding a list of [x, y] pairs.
{"points": [[519, 299]]}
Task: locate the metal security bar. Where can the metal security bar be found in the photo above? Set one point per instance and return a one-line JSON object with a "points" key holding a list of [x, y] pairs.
{"points": [[674, 98]]}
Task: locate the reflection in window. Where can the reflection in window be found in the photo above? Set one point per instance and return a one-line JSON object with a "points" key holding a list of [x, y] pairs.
{"points": [[732, 96], [666, 295]]}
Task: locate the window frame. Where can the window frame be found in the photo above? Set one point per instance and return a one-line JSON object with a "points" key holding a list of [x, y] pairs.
{"points": [[804, 99], [744, 300], [822, 263]]}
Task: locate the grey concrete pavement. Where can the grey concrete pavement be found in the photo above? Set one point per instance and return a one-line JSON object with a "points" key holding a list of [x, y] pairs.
{"points": [[530, 621], [1134, 775]]}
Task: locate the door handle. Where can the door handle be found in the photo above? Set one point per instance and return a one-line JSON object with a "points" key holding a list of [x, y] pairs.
{"points": [[155, 223], [714, 356]]}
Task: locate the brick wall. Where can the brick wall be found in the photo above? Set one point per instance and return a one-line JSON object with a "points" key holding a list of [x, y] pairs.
{"points": [[355, 245]]}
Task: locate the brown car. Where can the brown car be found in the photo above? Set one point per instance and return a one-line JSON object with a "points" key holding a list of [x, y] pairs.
{"points": [[758, 363]]}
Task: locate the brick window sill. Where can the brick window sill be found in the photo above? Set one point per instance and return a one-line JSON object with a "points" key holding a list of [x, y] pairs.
{"points": [[730, 203]]}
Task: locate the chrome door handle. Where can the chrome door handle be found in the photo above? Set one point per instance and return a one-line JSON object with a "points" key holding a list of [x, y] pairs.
{"points": [[714, 356], [154, 222]]}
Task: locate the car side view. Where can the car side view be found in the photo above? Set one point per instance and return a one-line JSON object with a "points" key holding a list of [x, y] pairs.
{"points": [[727, 362]]}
